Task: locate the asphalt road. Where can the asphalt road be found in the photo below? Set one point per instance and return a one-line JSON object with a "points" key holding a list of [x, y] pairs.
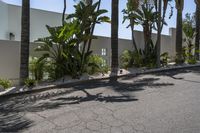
{"points": [[155, 103]]}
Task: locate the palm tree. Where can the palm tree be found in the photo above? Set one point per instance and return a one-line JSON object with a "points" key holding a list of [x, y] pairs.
{"points": [[25, 39], [179, 36], [197, 29], [132, 7], [64, 10], [114, 37], [158, 45], [93, 27], [161, 7]]}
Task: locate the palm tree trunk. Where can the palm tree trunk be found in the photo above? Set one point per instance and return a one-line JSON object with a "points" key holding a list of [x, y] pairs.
{"points": [[114, 36], [63, 15], [197, 31], [92, 29], [133, 37], [179, 36], [158, 44], [25, 39]]}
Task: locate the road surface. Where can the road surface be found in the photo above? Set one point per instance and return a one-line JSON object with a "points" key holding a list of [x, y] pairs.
{"points": [[155, 103]]}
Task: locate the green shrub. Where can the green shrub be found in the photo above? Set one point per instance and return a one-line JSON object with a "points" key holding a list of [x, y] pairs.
{"points": [[37, 68], [50, 70], [140, 58], [30, 82], [5, 83], [127, 59], [105, 69], [62, 46], [192, 60], [164, 59], [96, 64], [187, 56], [179, 60], [190, 57]]}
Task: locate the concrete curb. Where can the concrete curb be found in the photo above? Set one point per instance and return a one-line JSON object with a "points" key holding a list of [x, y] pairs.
{"points": [[70, 84]]}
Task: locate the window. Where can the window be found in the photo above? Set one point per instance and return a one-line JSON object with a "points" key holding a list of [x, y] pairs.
{"points": [[104, 63], [103, 51]]}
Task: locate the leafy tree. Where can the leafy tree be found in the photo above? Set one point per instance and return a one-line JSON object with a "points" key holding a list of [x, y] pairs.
{"points": [[129, 14], [161, 7], [56, 47], [146, 16], [66, 45], [87, 16], [189, 31], [150, 14]]}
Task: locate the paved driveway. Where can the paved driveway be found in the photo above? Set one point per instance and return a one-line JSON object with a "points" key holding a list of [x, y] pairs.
{"points": [[154, 103]]}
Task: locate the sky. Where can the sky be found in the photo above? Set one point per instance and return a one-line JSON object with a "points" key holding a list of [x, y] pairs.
{"points": [[104, 29]]}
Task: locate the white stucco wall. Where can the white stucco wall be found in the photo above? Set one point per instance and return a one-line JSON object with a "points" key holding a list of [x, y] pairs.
{"points": [[38, 20], [167, 44], [10, 58], [4, 20], [10, 50]]}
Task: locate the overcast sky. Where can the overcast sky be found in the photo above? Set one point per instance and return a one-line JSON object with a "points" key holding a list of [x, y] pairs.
{"points": [[103, 29]]}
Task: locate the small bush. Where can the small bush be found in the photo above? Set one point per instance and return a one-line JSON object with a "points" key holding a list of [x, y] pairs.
{"points": [[36, 68], [192, 60], [138, 59], [96, 64], [105, 69], [187, 56], [164, 59], [30, 82], [50, 70], [127, 59], [5, 83]]}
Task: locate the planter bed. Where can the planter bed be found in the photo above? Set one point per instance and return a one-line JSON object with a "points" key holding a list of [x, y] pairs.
{"points": [[67, 81]]}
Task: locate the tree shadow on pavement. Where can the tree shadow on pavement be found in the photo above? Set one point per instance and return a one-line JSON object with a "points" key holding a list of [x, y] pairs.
{"points": [[12, 109], [12, 121], [173, 73], [124, 91], [121, 87]]}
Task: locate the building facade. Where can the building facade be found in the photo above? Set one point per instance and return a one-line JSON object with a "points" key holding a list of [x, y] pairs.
{"points": [[10, 32], [10, 24]]}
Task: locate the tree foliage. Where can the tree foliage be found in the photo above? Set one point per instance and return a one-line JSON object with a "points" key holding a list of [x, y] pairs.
{"points": [[66, 45]]}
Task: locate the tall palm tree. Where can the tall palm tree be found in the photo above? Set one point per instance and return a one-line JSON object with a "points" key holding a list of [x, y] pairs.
{"points": [[197, 38], [114, 37], [179, 36], [158, 45], [25, 39], [133, 5], [161, 7], [64, 10], [93, 27]]}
